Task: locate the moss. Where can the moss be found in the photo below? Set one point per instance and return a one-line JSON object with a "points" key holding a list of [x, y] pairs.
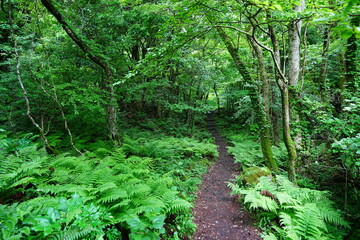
{"points": [[251, 175]]}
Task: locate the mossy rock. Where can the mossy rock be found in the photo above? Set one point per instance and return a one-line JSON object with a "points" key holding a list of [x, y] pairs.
{"points": [[251, 175]]}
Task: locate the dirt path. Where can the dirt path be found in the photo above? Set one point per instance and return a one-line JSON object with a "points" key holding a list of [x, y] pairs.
{"points": [[217, 214]]}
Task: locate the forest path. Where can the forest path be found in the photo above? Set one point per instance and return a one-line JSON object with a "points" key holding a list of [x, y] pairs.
{"points": [[218, 215]]}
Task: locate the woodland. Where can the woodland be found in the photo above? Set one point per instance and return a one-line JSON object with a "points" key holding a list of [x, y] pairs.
{"points": [[103, 108]]}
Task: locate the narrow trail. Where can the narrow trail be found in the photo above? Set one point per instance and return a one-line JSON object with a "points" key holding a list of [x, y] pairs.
{"points": [[218, 215]]}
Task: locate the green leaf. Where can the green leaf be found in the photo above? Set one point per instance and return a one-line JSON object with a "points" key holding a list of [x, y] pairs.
{"points": [[158, 222]]}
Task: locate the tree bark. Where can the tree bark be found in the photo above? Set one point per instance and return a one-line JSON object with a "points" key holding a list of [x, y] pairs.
{"points": [[350, 58], [111, 113], [285, 103], [322, 83], [261, 111], [264, 109], [294, 68], [289, 143], [217, 97]]}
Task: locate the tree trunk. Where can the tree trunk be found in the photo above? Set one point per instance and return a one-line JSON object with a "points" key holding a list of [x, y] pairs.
{"points": [[294, 69], [322, 83], [217, 97], [289, 143], [282, 83], [261, 112], [264, 109], [350, 58], [111, 111]]}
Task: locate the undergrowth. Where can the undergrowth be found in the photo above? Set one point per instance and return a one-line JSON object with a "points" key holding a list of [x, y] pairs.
{"points": [[247, 151], [291, 212], [284, 211], [140, 191]]}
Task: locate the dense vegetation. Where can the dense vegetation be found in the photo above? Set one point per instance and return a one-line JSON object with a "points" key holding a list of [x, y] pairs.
{"points": [[102, 132]]}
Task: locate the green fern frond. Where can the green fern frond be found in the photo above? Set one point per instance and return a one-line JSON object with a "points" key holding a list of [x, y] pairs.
{"points": [[256, 201], [141, 172], [107, 186], [284, 183], [270, 237], [266, 183], [285, 198], [178, 205], [23, 181], [286, 219], [139, 189], [73, 234], [168, 196], [308, 220], [161, 181], [153, 203], [330, 214], [55, 189], [123, 177], [121, 204], [235, 189], [66, 162], [112, 195], [150, 204], [83, 190]]}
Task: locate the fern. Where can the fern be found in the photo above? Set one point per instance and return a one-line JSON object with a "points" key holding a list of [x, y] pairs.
{"points": [[112, 195], [331, 215], [309, 221], [303, 213], [256, 201], [107, 186], [69, 193], [139, 189], [121, 204], [266, 183], [177, 205], [73, 233]]}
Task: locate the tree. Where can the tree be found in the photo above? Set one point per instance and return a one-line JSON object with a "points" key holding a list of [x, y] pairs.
{"points": [[261, 107], [111, 111]]}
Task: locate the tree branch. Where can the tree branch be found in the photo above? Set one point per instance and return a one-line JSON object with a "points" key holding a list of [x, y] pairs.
{"points": [[72, 34]]}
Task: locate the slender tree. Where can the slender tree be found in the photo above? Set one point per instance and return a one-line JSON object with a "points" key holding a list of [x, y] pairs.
{"points": [[261, 108], [111, 111]]}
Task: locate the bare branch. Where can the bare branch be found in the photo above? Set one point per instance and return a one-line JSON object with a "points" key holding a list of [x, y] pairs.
{"points": [[55, 98]]}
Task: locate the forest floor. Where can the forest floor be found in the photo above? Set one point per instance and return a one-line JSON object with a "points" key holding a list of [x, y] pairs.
{"points": [[218, 215]]}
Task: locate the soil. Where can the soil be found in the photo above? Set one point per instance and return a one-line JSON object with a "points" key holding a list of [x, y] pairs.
{"points": [[218, 215]]}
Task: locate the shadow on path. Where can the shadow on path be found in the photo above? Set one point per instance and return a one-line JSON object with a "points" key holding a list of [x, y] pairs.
{"points": [[218, 215]]}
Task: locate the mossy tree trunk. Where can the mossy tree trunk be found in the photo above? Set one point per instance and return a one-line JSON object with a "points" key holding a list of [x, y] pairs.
{"points": [[261, 109], [283, 84], [289, 143], [264, 107]]}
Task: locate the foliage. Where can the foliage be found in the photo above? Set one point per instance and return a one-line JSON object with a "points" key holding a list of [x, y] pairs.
{"points": [[300, 213], [165, 62], [247, 151], [59, 196], [184, 159], [55, 218], [252, 175]]}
